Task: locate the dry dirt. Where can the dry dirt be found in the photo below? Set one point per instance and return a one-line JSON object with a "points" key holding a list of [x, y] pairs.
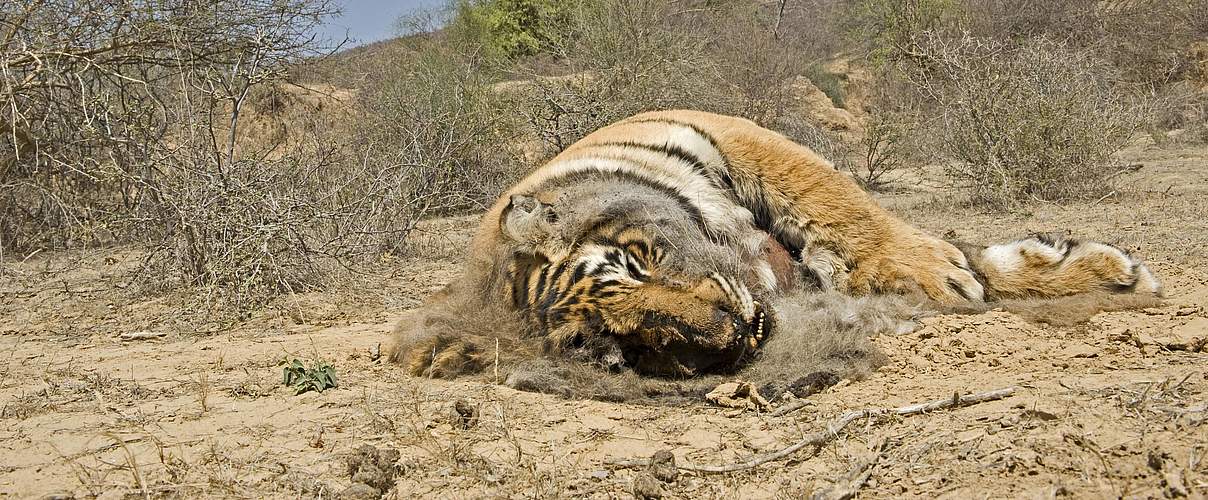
{"points": [[1115, 407]]}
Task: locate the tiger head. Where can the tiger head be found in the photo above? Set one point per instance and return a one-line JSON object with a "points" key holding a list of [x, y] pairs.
{"points": [[631, 280]]}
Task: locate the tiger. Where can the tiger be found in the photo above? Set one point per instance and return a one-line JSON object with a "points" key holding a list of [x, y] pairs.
{"points": [[660, 242]]}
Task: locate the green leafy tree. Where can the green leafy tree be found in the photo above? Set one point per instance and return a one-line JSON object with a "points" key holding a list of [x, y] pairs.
{"points": [[509, 29]]}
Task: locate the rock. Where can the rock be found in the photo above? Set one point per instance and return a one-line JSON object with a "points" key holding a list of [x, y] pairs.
{"points": [[1175, 486], [365, 453], [465, 415], [741, 395], [371, 475], [372, 468], [1190, 336], [820, 108], [662, 466], [600, 475], [360, 491], [1079, 350], [1186, 311], [645, 486]]}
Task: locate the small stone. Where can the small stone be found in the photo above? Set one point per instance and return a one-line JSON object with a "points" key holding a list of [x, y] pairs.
{"points": [[1175, 486], [373, 476], [741, 395], [360, 491], [1156, 460], [600, 474], [662, 466], [465, 415], [645, 487], [366, 453], [1079, 350]]}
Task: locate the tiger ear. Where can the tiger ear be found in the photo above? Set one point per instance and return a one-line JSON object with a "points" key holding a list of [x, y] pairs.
{"points": [[523, 217]]}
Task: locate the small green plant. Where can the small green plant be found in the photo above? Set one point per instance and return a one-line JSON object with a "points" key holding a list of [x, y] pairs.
{"points": [[320, 376]]}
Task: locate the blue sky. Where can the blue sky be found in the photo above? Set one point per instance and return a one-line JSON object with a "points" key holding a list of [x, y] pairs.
{"points": [[367, 21]]}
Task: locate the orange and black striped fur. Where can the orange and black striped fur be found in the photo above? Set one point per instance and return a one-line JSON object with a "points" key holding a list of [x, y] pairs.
{"points": [[659, 242]]}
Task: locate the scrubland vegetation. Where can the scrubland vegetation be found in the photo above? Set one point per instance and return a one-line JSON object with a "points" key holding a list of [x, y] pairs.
{"points": [[245, 159]]}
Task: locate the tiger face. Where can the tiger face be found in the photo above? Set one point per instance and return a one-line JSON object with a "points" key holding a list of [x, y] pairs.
{"points": [[630, 280]]}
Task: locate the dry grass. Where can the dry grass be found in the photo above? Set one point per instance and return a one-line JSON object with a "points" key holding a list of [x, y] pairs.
{"points": [[66, 388]]}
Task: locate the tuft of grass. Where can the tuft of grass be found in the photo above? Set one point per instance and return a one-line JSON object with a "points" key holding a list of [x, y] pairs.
{"points": [[319, 377], [202, 383]]}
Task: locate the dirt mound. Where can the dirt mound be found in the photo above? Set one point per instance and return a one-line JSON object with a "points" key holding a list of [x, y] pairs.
{"points": [[810, 100]]}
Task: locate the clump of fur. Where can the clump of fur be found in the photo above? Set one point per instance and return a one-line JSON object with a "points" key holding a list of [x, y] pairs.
{"points": [[457, 335], [1060, 311], [821, 338], [572, 379], [828, 333]]}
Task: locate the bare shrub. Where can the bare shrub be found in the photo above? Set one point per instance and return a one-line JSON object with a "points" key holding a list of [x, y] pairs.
{"points": [[433, 124], [874, 159], [884, 146], [890, 141], [619, 58], [173, 127], [1145, 40], [756, 53], [891, 27], [90, 93], [1038, 122], [266, 227]]}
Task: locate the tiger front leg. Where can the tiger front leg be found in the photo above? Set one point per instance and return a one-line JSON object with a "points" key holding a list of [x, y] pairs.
{"points": [[918, 263]]}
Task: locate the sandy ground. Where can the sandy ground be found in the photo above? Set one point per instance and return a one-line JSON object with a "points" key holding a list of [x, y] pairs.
{"points": [[1112, 408]]}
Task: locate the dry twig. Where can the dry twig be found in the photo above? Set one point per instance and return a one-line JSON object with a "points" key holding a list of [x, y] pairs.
{"points": [[144, 335], [835, 427], [847, 486], [790, 408]]}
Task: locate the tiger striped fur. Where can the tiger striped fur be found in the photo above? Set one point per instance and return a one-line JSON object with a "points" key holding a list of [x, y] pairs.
{"points": [[659, 242]]}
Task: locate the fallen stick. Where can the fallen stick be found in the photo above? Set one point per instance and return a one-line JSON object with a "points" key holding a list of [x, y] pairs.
{"points": [[790, 408], [835, 427], [847, 486], [142, 335]]}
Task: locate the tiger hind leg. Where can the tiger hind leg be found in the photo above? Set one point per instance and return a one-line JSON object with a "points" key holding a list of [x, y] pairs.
{"points": [[1049, 265]]}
